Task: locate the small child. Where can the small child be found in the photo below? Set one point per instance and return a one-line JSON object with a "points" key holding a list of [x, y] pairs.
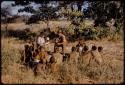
{"points": [[43, 55], [36, 58]]}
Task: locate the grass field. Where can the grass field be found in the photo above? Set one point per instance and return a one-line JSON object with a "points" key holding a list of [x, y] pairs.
{"points": [[13, 71]]}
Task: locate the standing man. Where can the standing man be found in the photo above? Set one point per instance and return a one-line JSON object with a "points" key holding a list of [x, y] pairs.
{"points": [[41, 40], [62, 41]]}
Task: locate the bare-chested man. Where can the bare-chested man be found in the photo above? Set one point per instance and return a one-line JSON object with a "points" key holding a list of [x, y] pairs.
{"points": [[86, 55], [74, 55], [56, 59], [96, 54], [62, 41]]}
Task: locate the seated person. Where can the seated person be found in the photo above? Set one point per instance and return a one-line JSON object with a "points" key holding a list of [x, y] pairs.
{"points": [[86, 55], [56, 57], [43, 55], [96, 54], [74, 55], [56, 60]]}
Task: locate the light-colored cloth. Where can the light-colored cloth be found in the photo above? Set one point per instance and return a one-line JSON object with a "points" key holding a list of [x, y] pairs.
{"points": [[37, 58], [80, 49], [47, 38], [41, 41], [37, 61]]}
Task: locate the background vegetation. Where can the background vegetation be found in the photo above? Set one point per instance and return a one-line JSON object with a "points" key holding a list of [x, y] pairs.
{"points": [[89, 24]]}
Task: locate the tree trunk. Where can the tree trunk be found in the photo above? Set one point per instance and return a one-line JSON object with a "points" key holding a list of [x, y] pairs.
{"points": [[6, 27]]}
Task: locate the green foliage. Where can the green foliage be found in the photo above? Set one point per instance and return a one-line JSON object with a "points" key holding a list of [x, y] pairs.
{"points": [[70, 29], [88, 32], [104, 11]]}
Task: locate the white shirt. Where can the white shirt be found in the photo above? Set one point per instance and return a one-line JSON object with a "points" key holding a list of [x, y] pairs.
{"points": [[80, 48], [41, 41]]}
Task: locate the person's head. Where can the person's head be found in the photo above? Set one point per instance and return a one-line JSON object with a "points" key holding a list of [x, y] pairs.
{"points": [[100, 48], [26, 47], [41, 34], [57, 49], [60, 32], [94, 48], [30, 48], [73, 49], [86, 48]]}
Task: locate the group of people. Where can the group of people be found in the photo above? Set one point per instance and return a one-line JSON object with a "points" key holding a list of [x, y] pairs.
{"points": [[40, 50], [41, 53], [88, 53]]}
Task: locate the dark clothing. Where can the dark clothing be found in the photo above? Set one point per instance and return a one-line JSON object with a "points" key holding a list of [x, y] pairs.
{"points": [[28, 53]]}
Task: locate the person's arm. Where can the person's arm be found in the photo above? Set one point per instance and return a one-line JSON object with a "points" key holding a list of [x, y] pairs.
{"points": [[34, 55], [63, 39]]}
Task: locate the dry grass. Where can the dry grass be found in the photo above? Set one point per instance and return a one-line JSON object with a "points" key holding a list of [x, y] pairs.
{"points": [[111, 71], [36, 27]]}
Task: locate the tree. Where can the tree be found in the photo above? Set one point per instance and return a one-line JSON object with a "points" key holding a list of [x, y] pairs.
{"points": [[46, 12], [103, 11], [100, 11]]}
